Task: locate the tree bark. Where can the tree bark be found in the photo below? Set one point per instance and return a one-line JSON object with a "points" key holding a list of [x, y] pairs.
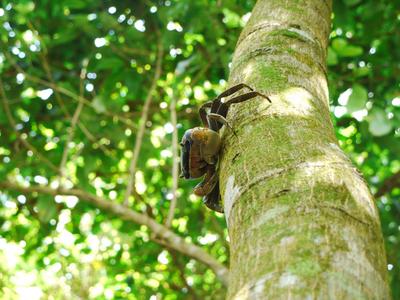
{"points": [[301, 220]]}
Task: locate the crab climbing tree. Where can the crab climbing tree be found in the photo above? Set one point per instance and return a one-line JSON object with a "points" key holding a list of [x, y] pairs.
{"points": [[301, 220]]}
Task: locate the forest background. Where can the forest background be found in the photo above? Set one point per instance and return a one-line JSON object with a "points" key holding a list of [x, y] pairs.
{"points": [[91, 93]]}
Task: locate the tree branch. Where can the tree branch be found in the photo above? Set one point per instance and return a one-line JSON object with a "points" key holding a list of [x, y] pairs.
{"points": [[175, 160], [20, 137], [71, 129], [47, 69], [142, 126], [388, 185], [68, 93], [181, 270], [168, 237]]}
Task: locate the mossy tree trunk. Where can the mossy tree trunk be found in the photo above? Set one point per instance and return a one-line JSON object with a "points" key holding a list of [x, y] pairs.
{"points": [[301, 220]]}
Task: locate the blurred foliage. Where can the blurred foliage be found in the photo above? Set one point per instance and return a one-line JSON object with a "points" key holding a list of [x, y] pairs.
{"points": [[56, 53]]}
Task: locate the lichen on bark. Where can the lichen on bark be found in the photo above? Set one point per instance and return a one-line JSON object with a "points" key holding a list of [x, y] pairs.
{"points": [[301, 220]]}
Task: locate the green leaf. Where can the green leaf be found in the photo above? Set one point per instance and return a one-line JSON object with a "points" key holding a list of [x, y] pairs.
{"points": [[110, 63], [98, 105], [192, 38], [351, 2], [338, 44], [75, 4], [357, 99], [47, 209], [231, 19], [379, 125], [109, 22], [343, 49], [332, 58], [351, 51], [24, 7], [64, 36], [361, 72]]}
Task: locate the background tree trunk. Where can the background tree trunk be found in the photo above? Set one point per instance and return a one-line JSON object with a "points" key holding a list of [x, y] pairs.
{"points": [[301, 220]]}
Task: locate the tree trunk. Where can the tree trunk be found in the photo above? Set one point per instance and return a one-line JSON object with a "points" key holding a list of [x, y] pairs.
{"points": [[302, 222]]}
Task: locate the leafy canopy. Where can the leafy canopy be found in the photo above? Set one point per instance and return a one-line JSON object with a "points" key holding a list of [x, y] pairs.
{"points": [[75, 76]]}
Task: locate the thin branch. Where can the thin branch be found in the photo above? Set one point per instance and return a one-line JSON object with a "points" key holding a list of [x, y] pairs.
{"points": [[118, 52], [20, 137], [127, 52], [142, 126], [200, 73], [68, 93], [388, 185], [47, 69], [167, 236], [71, 129], [133, 51], [78, 98], [91, 137], [181, 270], [175, 161]]}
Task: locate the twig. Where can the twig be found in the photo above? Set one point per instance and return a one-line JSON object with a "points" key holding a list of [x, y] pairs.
{"points": [[68, 93], [209, 58], [181, 269], [388, 185], [142, 126], [175, 160], [57, 89], [47, 69], [200, 73], [167, 236], [134, 51], [127, 52], [71, 129], [22, 139], [78, 98]]}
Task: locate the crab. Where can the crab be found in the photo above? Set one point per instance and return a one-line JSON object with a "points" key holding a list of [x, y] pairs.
{"points": [[201, 145]]}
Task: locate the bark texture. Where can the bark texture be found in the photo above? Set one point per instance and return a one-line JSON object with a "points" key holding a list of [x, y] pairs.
{"points": [[301, 220]]}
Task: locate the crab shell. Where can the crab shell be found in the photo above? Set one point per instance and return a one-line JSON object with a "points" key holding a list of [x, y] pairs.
{"points": [[200, 147]]}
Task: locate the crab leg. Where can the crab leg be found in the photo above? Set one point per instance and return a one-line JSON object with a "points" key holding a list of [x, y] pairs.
{"points": [[213, 200], [220, 119], [203, 113], [208, 183], [209, 189], [234, 89], [215, 104], [223, 108]]}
